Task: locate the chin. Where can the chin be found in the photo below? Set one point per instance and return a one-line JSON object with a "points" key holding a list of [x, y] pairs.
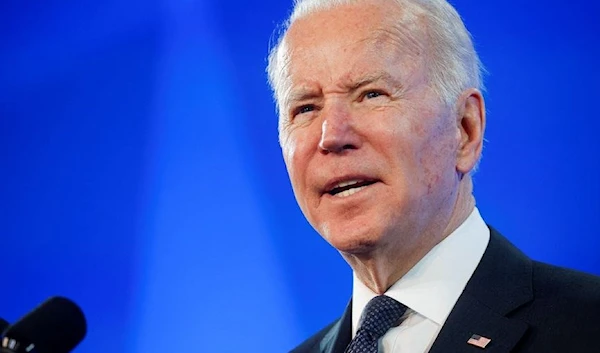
{"points": [[352, 240]]}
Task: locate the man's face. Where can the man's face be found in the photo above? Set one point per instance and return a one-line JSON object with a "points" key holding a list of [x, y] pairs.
{"points": [[370, 149]]}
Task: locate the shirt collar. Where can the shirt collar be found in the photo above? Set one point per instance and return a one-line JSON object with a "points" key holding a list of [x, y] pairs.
{"points": [[433, 285]]}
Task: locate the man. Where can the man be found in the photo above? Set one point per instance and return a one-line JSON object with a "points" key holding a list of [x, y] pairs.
{"points": [[381, 122]]}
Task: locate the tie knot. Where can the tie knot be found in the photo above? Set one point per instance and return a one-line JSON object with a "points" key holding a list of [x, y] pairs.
{"points": [[380, 314]]}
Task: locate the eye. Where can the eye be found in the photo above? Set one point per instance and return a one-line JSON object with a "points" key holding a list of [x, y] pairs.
{"points": [[303, 109], [372, 94]]}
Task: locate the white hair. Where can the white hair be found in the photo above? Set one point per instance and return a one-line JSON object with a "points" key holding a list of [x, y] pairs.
{"points": [[453, 65]]}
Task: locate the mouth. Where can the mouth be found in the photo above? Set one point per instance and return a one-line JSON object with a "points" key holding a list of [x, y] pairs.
{"points": [[348, 187]]}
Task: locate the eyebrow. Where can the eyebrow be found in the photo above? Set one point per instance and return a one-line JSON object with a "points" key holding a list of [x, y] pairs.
{"points": [[374, 77], [306, 93], [303, 94]]}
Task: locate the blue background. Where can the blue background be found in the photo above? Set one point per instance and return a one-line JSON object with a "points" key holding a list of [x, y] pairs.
{"points": [[140, 172]]}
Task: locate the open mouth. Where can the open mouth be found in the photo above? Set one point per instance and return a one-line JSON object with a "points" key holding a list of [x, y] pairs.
{"points": [[348, 188]]}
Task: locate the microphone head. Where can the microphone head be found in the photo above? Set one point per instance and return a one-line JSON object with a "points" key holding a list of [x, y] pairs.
{"points": [[55, 326]]}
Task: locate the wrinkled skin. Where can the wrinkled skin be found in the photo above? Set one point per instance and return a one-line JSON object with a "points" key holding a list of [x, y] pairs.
{"points": [[360, 107]]}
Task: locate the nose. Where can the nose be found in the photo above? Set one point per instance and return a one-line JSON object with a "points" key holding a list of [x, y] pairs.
{"points": [[338, 133]]}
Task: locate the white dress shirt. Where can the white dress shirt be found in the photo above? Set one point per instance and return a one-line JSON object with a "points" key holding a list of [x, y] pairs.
{"points": [[430, 289]]}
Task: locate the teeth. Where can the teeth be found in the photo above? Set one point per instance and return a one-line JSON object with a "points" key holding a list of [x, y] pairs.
{"points": [[349, 192], [346, 183]]}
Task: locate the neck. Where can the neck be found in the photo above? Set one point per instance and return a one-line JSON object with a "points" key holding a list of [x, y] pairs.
{"points": [[383, 267]]}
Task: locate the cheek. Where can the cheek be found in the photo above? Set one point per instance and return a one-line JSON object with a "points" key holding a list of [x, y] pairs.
{"points": [[424, 141], [405, 140], [300, 143], [439, 156], [288, 149], [295, 157]]}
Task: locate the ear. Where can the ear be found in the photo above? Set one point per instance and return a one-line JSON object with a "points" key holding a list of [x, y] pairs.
{"points": [[470, 120]]}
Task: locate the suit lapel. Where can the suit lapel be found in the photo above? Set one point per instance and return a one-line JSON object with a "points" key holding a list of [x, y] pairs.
{"points": [[500, 284], [472, 317], [340, 335]]}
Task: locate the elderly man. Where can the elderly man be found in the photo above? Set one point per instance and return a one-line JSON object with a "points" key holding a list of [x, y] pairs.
{"points": [[381, 122]]}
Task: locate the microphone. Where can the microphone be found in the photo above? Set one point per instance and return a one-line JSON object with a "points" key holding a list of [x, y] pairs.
{"points": [[56, 326]]}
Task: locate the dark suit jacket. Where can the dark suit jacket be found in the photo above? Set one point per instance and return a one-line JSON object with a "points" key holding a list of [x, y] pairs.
{"points": [[520, 304]]}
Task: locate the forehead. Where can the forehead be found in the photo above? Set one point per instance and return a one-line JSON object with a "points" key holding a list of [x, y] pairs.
{"points": [[349, 39]]}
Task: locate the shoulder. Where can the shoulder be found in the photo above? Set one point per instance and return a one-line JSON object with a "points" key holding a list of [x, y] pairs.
{"points": [[312, 344], [563, 286], [564, 313]]}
